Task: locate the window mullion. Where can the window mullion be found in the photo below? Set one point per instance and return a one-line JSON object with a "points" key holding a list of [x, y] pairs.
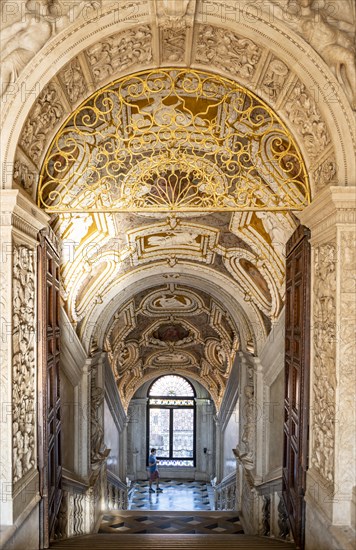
{"points": [[171, 428]]}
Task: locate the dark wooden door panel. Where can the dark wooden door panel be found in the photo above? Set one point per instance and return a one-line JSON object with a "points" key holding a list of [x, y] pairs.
{"points": [[49, 395], [296, 393]]}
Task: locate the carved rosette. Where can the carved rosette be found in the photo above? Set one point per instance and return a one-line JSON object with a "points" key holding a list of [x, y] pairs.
{"points": [[324, 341], [23, 341]]}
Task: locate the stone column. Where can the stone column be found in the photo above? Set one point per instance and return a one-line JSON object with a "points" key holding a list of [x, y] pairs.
{"points": [[123, 451], [21, 221], [83, 423], [331, 475], [218, 449], [204, 438], [259, 419]]}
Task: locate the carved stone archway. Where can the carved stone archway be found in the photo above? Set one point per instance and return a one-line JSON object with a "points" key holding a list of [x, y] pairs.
{"points": [[304, 82]]}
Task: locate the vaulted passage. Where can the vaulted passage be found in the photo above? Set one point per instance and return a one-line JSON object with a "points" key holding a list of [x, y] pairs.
{"points": [[177, 274]]}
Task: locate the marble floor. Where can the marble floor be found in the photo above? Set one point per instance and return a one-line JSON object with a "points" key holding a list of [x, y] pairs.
{"points": [[164, 523], [176, 496]]}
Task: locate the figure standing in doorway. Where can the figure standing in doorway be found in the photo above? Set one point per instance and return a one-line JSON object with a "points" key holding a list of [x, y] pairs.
{"points": [[154, 474]]}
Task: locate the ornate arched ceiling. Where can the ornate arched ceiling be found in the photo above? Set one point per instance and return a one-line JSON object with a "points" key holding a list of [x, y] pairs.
{"points": [[168, 329], [232, 263]]}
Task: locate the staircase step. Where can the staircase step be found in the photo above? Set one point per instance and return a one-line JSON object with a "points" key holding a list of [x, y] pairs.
{"points": [[171, 542]]}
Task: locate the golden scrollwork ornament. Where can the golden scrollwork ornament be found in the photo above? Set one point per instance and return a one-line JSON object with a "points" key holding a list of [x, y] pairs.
{"points": [[173, 140]]}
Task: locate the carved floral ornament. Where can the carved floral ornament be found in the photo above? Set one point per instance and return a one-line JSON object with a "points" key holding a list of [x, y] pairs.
{"points": [[23, 342], [173, 140]]}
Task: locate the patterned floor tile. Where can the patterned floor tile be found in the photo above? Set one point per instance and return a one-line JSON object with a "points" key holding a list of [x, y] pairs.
{"points": [[154, 522], [177, 495]]}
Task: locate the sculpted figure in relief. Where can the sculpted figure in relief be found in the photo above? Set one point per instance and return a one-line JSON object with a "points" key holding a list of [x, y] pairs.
{"points": [[329, 37], [173, 239], [275, 231], [172, 13], [21, 40], [167, 301]]}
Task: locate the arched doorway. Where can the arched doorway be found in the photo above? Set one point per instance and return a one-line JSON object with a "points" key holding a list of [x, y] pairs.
{"points": [[310, 144], [193, 145], [171, 421]]}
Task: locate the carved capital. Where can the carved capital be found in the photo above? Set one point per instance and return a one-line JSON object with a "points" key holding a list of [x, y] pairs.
{"points": [[335, 205], [19, 211]]}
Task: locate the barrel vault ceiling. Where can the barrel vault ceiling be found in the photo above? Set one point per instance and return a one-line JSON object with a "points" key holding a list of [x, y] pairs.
{"points": [[172, 291], [177, 322]]}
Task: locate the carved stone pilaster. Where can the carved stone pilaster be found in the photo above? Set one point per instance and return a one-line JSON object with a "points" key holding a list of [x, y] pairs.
{"points": [[24, 365], [21, 221], [331, 475]]}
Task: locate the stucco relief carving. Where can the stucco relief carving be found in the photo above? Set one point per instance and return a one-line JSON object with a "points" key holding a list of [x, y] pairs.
{"points": [[173, 44], [235, 55], [73, 80], [303, 113], [274, 78], [120, 51], [42, 20], [218, 355], [254, 279], [46, 114], [330, 32], [171, 299], [174, 13], [23, 341], [24, 176], [346, 335], [247, 454], [98, 450], [326, 173], [324, 383], [166, 359], [185, 241]]}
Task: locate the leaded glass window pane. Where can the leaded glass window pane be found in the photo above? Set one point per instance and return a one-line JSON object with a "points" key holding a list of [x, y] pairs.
{"points": [[171, 385], [175, 402], [171, 409], [159, 431], [183, 433]]}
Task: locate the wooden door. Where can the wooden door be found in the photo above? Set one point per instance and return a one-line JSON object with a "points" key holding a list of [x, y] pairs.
{"points": [[296, 393], [49, 451]]}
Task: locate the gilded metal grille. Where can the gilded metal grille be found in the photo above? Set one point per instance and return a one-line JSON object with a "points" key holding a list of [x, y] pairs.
{"points": [[173, 140]]}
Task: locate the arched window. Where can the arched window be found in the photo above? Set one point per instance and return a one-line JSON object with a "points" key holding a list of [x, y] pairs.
{"points": [[171, 421]]}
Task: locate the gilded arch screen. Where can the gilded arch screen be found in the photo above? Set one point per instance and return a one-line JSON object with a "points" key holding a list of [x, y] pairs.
{"points": [[173, 140]]}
